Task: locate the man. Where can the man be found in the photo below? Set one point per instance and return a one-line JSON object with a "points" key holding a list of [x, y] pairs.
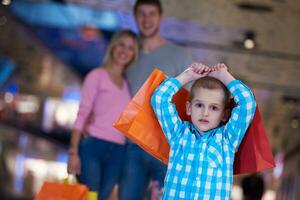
{"points": [[155, 52]]}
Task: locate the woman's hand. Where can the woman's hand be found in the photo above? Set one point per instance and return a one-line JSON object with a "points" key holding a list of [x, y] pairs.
{"points": [[74, 165]]}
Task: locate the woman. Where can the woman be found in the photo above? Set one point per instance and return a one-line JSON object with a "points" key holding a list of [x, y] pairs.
{"points": [[97, 157]]}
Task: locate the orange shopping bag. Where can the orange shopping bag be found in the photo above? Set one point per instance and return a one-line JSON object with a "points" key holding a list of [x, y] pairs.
{"points": [[138, 123], [61, 191]]}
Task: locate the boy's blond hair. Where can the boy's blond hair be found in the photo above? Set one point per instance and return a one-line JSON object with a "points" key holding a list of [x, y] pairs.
{"points": [[211, 83]]}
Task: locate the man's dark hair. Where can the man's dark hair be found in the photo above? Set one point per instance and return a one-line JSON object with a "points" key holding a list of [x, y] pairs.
{"points": [[147, 2], [253, 187]]}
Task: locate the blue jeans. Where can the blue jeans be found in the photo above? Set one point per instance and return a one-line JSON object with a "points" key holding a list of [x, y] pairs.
{"points": [[101, 163], [140, 167]]}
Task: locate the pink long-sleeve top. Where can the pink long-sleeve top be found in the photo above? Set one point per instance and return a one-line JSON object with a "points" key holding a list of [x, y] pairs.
{"points": [[100, 106]]}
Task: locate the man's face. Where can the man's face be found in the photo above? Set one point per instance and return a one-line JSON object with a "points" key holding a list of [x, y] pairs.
{"points": [[148, 20], [206, 108]]}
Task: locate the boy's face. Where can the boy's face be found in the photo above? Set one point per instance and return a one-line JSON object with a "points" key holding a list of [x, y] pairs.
{"points": [[206, 108], [148, 20]]}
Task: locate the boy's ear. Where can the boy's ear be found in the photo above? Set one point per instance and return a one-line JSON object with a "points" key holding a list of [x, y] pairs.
{"points": [[188, 108], [226, 115]]}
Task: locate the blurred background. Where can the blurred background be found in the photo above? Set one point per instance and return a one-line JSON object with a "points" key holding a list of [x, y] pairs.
{"points": [[48, 46]]}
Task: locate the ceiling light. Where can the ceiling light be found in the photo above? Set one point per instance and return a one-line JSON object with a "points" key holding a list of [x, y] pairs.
{"points": [[295, 122], [6, 2], [249, 40], [249, 44]]}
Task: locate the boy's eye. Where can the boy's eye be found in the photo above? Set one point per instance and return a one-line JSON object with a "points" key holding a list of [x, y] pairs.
{"points": [[198, 105], [215, 108]]}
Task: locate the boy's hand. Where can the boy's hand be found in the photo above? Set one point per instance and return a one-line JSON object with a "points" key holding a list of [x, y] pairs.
{"points": [[220, 71], [199, 70], [195, 71]]}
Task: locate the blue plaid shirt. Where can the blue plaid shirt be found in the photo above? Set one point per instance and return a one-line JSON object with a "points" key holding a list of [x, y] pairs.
{"points": [[201, 166]]}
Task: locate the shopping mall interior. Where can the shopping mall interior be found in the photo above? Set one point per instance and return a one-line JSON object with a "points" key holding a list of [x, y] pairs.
{"points": [[48, 46]]}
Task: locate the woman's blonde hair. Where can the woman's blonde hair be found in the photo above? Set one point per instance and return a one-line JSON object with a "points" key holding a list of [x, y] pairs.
{"points": [[115, 39]]}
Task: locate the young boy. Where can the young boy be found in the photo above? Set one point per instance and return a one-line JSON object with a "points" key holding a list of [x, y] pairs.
{"points": [[202, 151]]}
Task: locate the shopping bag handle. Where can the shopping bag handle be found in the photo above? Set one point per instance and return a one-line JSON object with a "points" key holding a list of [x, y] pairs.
{"points": [[70, 179]]}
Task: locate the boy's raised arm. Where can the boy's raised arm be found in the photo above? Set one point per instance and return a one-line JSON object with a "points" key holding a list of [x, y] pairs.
{"points": [[220, 72], [161, 100], [242, 114], [194, 72], [164, 109]]}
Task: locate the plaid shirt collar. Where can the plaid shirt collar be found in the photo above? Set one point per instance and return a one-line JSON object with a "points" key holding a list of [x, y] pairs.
{"points": [[204, 137]]}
